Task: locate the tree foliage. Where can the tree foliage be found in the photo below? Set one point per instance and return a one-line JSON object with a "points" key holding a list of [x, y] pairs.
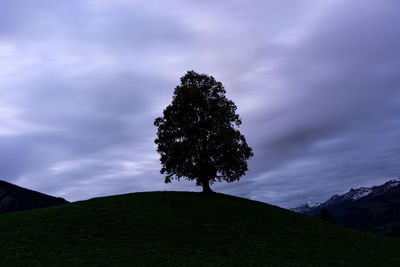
{"points": [[198, 138], [325, 215]]}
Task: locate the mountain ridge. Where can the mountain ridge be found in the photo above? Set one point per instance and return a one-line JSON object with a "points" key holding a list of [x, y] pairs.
{"points": [[15, 198], [374, 209]]}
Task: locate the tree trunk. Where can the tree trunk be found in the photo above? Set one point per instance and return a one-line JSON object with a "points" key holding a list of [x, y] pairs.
{"points": [[206, 187]]}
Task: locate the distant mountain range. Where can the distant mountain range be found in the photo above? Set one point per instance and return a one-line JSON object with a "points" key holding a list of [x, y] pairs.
{"points": [[15, 198], [373, 209]]}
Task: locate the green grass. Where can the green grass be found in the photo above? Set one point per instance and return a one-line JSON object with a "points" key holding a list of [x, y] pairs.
{"points": [[183, 229]]}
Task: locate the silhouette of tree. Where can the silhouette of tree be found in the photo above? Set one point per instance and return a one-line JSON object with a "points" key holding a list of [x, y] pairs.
{"points": [[325, 215], [198, 138]]}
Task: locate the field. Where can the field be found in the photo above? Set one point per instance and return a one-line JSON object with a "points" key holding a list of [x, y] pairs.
{"points": [[183, 229]]}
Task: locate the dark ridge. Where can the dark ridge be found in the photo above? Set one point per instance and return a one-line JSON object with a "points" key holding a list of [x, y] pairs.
{"points": [[16, 198]]}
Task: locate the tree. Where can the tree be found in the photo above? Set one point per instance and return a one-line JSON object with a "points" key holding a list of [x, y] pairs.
{"points": [[325, 215], [198, 138]]}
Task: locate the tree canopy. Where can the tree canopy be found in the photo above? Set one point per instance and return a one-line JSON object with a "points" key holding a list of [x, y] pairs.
{"points": [[198, 138], [325, 215]]}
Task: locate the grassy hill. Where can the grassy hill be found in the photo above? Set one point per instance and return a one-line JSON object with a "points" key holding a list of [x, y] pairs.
{"points": [[184, 229]]}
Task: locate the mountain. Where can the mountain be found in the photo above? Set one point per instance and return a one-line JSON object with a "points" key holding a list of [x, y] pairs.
{"points": [[374, 209], [183, 229], [15, 198]]}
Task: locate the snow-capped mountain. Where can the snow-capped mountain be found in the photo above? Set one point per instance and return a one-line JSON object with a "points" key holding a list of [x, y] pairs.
{"points": [[361, 192], [375, 209], [353, 194], [306, 206]]}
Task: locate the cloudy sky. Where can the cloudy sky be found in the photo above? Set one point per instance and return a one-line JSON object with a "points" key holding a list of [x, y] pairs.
{"points": [[317, 85]]}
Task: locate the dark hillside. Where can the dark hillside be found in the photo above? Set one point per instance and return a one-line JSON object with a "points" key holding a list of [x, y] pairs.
{"points": [[184, 229], [15, 198]]}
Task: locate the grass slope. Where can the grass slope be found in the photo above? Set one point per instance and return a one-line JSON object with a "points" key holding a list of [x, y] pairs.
{"points": [[185, 229]]}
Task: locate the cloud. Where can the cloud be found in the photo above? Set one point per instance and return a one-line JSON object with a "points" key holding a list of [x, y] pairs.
{"points": [[337, 84]]}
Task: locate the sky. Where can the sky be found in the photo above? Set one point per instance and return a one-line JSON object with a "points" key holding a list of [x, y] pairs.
{"points": [[316, 83]]}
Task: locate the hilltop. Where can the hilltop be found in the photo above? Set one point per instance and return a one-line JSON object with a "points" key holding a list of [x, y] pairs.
{"points": [[185, 229]]}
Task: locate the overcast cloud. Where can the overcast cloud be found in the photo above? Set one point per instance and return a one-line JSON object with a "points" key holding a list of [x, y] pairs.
{"points": [[317, 85]]}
